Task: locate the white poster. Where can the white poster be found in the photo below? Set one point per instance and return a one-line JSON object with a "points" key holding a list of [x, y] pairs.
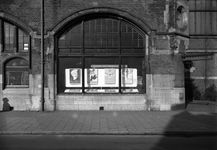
{"points": [[73, 77], [110, 76], [127, 76]]}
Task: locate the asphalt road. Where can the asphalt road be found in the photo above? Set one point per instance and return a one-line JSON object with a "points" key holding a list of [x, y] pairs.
{"points": [[106, 142]]}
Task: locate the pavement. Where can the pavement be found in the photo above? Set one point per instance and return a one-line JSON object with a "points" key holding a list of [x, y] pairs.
{"points": [[199, 118]]}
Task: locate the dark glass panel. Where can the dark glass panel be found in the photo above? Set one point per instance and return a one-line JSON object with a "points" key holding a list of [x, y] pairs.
{"points": [[104, 29], [103, 33], [112, 50], [135, 43], [23, 41], [9, 36], [130, 37], [126, 39], [133, 51], [90, 51], [132, 75], [72, 38], [69, 75], [135, 36], [129, 29], [126, 51], [95, 51], [67, 50], [141, 43]]}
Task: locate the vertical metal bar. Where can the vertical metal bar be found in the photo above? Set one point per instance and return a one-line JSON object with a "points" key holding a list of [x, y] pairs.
{"points": [[120, 58], [30, 53], [16, 39], [83, 58], [42, 55], [2, 35]]}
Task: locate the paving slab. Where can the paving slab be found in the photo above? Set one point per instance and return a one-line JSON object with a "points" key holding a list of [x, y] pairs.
{"points": [[109, 122]]}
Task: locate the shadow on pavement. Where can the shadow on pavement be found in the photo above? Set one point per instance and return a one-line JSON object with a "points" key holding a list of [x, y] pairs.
{"points": [[196, 123]]}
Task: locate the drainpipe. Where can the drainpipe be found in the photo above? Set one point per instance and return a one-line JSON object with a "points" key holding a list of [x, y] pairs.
{"points": [[42, 55]]}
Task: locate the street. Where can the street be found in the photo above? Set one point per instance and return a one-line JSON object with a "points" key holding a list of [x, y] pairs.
{"points": [[106, 142]]}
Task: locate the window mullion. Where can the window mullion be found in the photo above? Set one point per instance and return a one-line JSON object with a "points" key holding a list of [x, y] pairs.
{"points": [[82, 32], [30, 52], [82, 59], [83, 69], [119, 26], [2, 35], [16, 39]]}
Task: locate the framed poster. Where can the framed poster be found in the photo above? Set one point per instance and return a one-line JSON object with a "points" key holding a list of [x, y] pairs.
{"points": [[127, 76], [74, 76], [110, 76], [93, 76]]}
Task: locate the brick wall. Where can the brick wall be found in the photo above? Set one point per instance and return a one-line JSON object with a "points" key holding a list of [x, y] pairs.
{"points": [[149, 11]]}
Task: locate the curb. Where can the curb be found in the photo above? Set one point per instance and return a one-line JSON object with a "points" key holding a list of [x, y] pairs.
{"points": [[181, 133]]}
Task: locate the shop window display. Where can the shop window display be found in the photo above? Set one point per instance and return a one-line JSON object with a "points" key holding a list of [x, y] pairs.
{"points": [[102, 55]]}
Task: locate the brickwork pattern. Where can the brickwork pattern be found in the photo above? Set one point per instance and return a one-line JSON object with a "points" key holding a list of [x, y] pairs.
{"points": [[56, 10]]}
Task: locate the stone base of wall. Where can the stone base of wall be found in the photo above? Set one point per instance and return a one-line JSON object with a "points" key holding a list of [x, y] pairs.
{"points": [[163, 93], [165, 99], [105, 102], [23, 100]]}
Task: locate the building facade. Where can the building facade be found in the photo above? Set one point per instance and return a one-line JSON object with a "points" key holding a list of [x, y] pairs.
{"points": [[98, 54], [203, 44]]}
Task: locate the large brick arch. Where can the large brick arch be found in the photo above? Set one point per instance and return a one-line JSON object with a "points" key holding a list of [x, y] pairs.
{"points": [[16, 21], [109, 11]]}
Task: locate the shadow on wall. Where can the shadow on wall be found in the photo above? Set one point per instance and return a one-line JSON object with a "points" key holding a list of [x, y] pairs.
{"points": [[6, 105]]}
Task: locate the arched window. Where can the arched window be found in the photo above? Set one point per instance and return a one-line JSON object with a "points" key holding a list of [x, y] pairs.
{"points": [[101, 55], [16, 73], [13, 38]]}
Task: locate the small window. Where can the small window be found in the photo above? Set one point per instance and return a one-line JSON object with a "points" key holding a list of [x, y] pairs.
{"points": [[16, 73]]}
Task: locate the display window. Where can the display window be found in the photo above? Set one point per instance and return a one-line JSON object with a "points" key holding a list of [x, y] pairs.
{"points": [[101, 55]]}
